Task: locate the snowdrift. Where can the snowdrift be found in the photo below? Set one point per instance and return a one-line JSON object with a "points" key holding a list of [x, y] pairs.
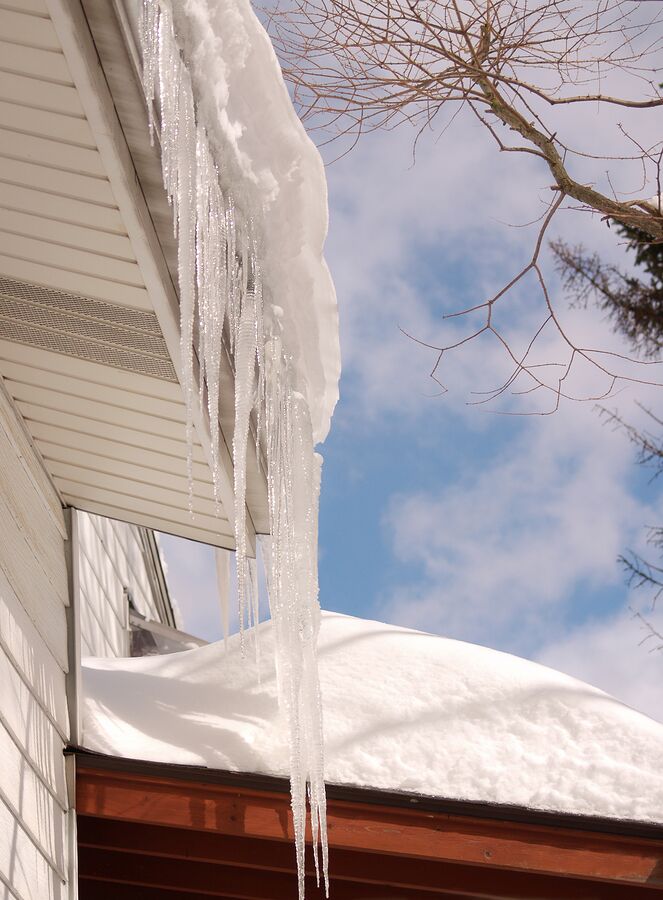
{"points": [[403, 711]]}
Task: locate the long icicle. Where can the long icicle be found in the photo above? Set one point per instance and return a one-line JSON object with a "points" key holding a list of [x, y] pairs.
{"points": [[220, 281]]}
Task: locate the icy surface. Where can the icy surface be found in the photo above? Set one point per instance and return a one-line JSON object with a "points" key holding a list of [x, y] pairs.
{"points": [[275, 169], [225, 239], [402, 711]]}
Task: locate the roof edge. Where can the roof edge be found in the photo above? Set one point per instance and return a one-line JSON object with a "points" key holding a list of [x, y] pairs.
{"points": [[89, 759]]}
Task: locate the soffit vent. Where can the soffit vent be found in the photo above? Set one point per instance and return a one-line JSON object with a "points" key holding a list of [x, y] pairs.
{"points": [[100, 332]]}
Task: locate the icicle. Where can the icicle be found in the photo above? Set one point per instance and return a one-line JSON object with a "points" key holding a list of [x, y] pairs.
{"points": [[221, 292], [222, 560], [245, 358]]}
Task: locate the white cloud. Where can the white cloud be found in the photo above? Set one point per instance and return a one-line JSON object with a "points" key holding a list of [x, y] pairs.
{"points": [[609, 654], [502, 552]]}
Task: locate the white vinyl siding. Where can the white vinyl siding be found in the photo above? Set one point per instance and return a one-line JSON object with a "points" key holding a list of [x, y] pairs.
{"points": [[33, 661], [110, 560], [114, 441]]}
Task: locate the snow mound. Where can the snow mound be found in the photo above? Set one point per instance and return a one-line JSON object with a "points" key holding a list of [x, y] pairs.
{"points": [[403, 711]]}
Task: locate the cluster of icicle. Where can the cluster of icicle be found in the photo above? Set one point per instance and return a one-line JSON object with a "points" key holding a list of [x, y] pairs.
{"points": [[221, 293]]}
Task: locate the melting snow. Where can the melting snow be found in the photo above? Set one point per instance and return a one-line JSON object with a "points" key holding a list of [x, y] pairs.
{"points": [[403, 710]]}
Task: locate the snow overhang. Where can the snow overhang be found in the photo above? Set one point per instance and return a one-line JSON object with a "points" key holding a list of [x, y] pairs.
{"points": [[276, 174]]}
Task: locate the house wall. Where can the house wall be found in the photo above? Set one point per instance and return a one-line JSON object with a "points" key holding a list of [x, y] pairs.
{"points": [[111, 558], [33, 661]]}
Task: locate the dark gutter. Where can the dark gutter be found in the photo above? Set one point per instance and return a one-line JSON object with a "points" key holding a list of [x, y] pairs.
{"points": [[372, 796]]}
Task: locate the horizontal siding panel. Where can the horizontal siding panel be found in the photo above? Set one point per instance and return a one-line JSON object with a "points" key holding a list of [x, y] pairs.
{"points": [[59, 233], [149, 425], [18, 437], [23, 569], [158, 465], [71, 259], [32, 553], [141, 498], [24, 867], [105, 601], [108, 430], [70, 130], [64, 280], [37, 7], [109, 396], [158, 520], [6, 893], [100, 576], [29, 653], [97, 374], [50, 153], [122, 469], [43, 64], [96, 641], [37, 810], [32, 31], [64, 184], [114, 549], [122, 549], [62, 209], [40, 94], [32, 518], [116, 555], [34, 731]]}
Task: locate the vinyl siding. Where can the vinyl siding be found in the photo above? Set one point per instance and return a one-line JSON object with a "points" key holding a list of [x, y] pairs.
{"points": [[110, 560], [33, 662]]}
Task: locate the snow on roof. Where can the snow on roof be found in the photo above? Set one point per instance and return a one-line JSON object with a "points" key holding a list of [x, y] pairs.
{"points": [[275, 171], [403, 711]]}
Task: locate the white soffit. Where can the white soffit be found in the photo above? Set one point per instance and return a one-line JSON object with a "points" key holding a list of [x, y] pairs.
{"points": [[87, 341]]}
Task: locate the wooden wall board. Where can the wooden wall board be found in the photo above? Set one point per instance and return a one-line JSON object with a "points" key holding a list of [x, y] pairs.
{"points": [[244, 812]]}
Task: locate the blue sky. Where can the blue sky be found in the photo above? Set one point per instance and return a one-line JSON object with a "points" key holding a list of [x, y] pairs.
{"points": [[503, 530]]}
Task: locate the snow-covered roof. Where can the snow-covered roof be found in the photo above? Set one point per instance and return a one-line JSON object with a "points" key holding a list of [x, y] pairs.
{"points": [[276, 174], [403, 711]]}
